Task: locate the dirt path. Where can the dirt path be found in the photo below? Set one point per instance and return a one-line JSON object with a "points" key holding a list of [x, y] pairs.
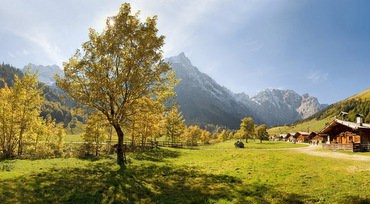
{"points": [[332, 154], [311, 150]]}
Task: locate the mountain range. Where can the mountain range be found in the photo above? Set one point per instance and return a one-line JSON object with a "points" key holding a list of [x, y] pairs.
{"points": [[203, 101], [46, 73]]}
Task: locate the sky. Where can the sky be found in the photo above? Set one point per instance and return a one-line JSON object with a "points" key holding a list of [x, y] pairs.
{"points": [[310, 46]]}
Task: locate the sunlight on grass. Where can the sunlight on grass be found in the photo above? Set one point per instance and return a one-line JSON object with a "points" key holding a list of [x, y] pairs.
{"points": [[73, 138], [229, 144], [345, 152], [188, 176], [312, 125]]}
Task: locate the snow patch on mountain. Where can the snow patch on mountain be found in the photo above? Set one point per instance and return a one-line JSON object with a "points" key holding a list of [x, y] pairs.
{"points": [[46, 73], [199, 94]]}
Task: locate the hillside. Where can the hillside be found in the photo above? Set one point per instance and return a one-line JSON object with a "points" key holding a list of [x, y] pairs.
{"points": [[357, 104], [361, 96], [53, 105]]}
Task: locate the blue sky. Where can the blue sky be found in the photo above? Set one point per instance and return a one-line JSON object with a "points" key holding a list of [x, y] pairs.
{"points": [[316, 47]]}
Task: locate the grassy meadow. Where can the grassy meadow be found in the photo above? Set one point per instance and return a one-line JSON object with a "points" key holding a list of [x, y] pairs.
{"points": [[217, 175], [229, 144], [312, 125]]}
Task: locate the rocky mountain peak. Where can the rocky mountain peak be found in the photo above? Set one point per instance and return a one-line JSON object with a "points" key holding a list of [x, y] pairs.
{"points": [[46, 73], [180, 59], [202, 100]]}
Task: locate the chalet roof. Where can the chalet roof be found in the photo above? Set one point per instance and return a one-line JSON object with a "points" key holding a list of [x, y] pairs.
{"points": [[283, 135], [303, 133], [348, 124]]}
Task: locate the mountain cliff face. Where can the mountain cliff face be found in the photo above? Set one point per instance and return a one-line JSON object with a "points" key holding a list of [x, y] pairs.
{"points": [[46, 73], [202, 100], [285, 106]]}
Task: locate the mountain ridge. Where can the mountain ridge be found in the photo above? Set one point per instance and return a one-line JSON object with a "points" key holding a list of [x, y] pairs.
{"points": [[204, 101], [197, 92], [46, 73]]}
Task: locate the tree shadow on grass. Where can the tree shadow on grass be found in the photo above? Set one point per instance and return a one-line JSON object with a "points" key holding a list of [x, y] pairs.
{"points": [[137, 184], [156, 155], [93, 158]]}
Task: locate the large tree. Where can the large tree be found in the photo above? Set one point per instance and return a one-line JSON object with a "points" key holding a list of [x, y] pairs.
{"points": [[118, 67]]}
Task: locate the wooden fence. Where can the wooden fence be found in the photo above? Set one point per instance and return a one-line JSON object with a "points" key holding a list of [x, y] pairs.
{"points": [[156, 144], [354, 147]]}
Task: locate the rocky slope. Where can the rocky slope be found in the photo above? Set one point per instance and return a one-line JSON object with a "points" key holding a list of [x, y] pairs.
{"points": [[46, 73], [202, 100]]}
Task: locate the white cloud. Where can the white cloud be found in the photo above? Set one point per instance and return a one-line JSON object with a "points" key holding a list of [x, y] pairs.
{"points": [[317, 76]]}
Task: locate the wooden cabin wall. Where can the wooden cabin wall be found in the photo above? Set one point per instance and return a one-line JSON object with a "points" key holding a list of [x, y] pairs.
{"points": [[365, 137]]}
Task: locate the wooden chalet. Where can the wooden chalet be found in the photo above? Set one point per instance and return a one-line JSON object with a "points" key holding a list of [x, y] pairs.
{"points": [[319, 138], [290, 137], [345, 135], [283, 137], [304, 136]]}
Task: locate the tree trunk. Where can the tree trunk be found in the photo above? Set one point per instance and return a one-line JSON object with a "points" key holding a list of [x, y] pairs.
{"points": [[36, 143], [20, 142], [96, 149], [246, 140], [121, 154], [133, 136]]}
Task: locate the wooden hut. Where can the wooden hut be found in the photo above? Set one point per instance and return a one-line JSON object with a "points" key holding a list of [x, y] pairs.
{"points": [[290, 137], [318, 138], [283, 137], [345, 135], [304, 136]]}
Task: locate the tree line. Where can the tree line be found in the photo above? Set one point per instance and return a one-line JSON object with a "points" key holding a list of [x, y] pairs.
{"points": [[52, 106], [22, 129]]}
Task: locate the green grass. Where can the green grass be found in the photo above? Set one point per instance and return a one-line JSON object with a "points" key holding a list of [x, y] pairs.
{"points": [[188, 176], [312, 125], [73, 138], [229, 144], [365, 95], [345, 152]]}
